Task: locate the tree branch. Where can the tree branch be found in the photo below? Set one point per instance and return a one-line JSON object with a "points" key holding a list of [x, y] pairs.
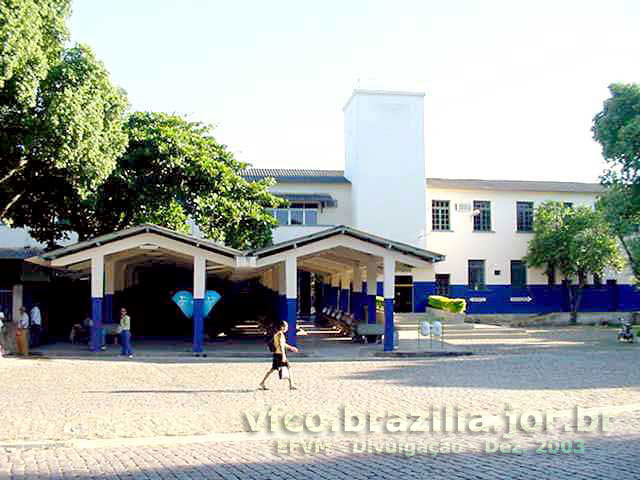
{"points": [[8, 206]]}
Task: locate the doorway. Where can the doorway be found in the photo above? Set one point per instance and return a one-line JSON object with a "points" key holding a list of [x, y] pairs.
{"points": [[403, 298]]}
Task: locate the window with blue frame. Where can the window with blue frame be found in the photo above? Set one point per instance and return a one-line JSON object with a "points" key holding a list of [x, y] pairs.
{"points": [[518, 274], [440, 215], [524, 216], [481, 216], [296, 214], [476, 274]]}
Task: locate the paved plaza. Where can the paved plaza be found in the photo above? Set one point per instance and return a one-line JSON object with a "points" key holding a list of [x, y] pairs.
{"points": [[181, 417]]}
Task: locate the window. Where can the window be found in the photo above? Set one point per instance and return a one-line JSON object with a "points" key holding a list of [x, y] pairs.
{"points": [[482, 221], [524, 215], [518, 274], [476, 274], [297, 214], [441, 220], [442, 284]]}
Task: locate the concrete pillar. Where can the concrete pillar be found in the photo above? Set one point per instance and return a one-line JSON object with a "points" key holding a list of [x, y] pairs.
{"points": [[357, 304], [109, 290], [345, 280], [97, 292], [17, 301], [389, 293], [199, 286], [372, 287], [291, 278], [282, 292], [334, 289]]}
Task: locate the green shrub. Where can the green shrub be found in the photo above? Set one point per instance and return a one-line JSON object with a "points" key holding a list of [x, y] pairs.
{"points": [[453, 305]]}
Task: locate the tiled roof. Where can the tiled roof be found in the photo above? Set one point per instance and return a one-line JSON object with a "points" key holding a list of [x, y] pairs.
{"points": [[296, 175], [337, 176], [515, 185]]}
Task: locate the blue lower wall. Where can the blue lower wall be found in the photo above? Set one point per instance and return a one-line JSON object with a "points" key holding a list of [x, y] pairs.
{"points": [[544, 298]]}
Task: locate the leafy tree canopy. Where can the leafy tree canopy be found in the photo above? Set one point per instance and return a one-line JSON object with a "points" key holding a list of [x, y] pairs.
{"points": [[617, 129], [576, 242], [174, 173], [60, 119], [32, 33]]}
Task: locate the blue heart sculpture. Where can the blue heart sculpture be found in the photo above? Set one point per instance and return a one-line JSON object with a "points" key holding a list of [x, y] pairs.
{"points": [[211, 297], [184, 301]]}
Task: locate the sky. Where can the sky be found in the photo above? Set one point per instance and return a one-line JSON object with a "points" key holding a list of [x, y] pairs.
{"points": [[511, 86]]}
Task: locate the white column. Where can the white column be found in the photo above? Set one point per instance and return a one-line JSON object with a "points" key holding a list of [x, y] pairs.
{"points": [[97, 276], [199, 287], [110, 279], [119, 271], [282, 281], [291, 274], [291, 280], [389, 277], [16, 299], [372, 278], [372, 290], [199, 276], [356, 278], [97, 292]]}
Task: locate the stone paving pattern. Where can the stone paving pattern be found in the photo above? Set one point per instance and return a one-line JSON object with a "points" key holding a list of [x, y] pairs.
{"points": [[63, 400]]}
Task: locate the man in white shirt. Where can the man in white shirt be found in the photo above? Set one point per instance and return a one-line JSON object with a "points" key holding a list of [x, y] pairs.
{"points": [[22, 332], [36, 326]]}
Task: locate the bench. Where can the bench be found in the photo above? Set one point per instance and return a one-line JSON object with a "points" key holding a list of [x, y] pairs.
{"points": [[368, 332]]}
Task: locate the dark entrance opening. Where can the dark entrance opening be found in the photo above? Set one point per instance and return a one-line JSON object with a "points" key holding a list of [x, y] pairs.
{"points": [[403, 299]]}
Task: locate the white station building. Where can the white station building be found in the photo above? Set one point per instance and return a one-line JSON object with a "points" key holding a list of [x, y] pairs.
{"points": [[381, 226]]}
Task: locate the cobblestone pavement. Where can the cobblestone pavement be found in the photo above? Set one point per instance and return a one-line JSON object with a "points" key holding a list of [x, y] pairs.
{"points": [[143, 418]]}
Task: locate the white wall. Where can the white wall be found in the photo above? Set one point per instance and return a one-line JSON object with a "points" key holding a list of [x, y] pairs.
{"points": [[384, 160], [498, 247], [289, 232]]}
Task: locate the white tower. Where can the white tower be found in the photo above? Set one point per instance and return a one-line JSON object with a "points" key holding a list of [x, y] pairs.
{"points": [[384, 160]]}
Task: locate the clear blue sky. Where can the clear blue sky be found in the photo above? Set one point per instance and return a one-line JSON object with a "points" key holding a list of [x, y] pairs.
{"points": [[512, 86]]}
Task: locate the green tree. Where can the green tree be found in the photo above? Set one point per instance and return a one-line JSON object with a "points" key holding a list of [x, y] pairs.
{"points": [[617, 129], [621, 208], [173, 172], [576, 242], [60, 119]]}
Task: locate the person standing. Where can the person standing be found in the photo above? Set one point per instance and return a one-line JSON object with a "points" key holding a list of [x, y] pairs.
{"points": [[22, 332], [35, 329], [279, 361], [125, 333]]}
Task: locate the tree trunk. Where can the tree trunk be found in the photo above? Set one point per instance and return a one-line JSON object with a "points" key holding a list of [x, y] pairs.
{"points": [[573, 306]]}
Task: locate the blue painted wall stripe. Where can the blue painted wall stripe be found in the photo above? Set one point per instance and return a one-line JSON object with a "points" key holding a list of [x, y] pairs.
{"points": [[96, 318], [198, 325], [292, 307], [544, 298], [388, 325]]}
